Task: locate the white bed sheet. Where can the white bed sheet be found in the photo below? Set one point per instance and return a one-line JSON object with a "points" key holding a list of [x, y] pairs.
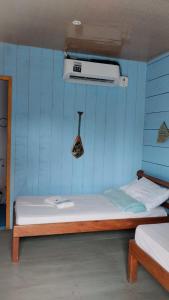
{"points": [[153, 239], [87, 207]]}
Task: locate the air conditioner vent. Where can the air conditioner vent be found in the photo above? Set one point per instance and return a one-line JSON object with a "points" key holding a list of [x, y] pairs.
{"points": [[91, 79]]}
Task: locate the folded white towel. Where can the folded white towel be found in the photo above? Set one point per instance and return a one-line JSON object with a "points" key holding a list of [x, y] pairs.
{"points": [[59, 202], [53, 200], [65, 204]]}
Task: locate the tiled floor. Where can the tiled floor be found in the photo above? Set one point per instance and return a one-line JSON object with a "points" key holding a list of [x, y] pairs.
{"points": [[74, 267]]}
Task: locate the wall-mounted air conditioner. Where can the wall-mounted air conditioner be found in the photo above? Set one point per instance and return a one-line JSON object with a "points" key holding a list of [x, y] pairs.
{"points": [[89, 72]]}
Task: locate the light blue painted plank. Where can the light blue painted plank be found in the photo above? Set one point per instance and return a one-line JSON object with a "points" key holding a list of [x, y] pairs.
{"points": [[1, 58], [90, 117], [57, 139], [119, 136], [21, 166], [10, 60], [34, 117], [120, 128], [22, 91], [139, 119], [115, 128], [99, 139], [57, 127], [109, 140], [158, 58], [59, 59], [157, 103], [45, 131], [21, 124], [22, 76], [154, 121], [158, 68], [156, 155], [78, 164], [21, 120], [158, 171], [67, 141], [129, 123], [158, 86], [47, 73], [150, 138], [44, 166]]}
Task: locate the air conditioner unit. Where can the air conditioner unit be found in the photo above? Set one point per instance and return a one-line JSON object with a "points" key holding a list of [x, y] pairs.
{"points": [[97, 73]]}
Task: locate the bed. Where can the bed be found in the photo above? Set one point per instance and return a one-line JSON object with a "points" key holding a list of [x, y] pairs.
{"points": [[90, 214], [151, 249]]}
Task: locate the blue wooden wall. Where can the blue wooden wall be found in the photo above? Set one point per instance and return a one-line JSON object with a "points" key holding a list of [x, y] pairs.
{"points": [[44, 123], [156, 156]]}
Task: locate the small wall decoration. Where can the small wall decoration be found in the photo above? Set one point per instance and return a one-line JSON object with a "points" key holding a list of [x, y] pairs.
{"points": [[163, 133], [78, 150]]}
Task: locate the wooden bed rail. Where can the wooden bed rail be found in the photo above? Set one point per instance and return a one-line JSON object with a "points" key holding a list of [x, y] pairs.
{"points": [[137, 256], [161, 182], [84, 226], [76, 227]]}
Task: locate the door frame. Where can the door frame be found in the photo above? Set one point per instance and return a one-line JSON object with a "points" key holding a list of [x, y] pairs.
{"points": [[8, 158]]}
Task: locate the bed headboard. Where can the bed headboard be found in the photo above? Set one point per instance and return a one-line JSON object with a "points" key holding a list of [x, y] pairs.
{"points": [[161, 182]]}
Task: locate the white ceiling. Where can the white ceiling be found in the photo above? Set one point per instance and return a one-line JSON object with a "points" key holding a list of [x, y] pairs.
{"points": [[133, 29]]}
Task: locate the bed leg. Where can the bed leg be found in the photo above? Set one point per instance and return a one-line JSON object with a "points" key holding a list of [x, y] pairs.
{"points": [[132, 264], [15, 249]]}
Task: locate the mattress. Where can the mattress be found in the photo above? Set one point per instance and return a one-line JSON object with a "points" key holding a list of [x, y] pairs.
{"points": [[30, 210], [153, 239]]}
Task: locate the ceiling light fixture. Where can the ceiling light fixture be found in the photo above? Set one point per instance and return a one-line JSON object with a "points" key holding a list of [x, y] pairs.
{"points": [[76, 22]]}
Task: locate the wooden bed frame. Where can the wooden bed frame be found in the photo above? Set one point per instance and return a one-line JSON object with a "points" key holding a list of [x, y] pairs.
{"points": [[82, 226], [137, 255]]}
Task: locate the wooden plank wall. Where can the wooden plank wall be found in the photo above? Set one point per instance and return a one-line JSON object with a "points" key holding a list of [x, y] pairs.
{"points": [[44, 123], [156, 156]]}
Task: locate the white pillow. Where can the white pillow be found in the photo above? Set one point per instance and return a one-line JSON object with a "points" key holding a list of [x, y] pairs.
{"points": [[126, 186], [147, 192]]}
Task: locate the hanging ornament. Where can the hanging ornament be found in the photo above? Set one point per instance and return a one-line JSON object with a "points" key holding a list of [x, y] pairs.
{"points": [[78, 150], [163, 133]]}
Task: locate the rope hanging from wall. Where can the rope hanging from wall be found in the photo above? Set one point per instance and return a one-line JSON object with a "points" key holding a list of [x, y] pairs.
{"points": [[163, 133], [78, 150]]}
